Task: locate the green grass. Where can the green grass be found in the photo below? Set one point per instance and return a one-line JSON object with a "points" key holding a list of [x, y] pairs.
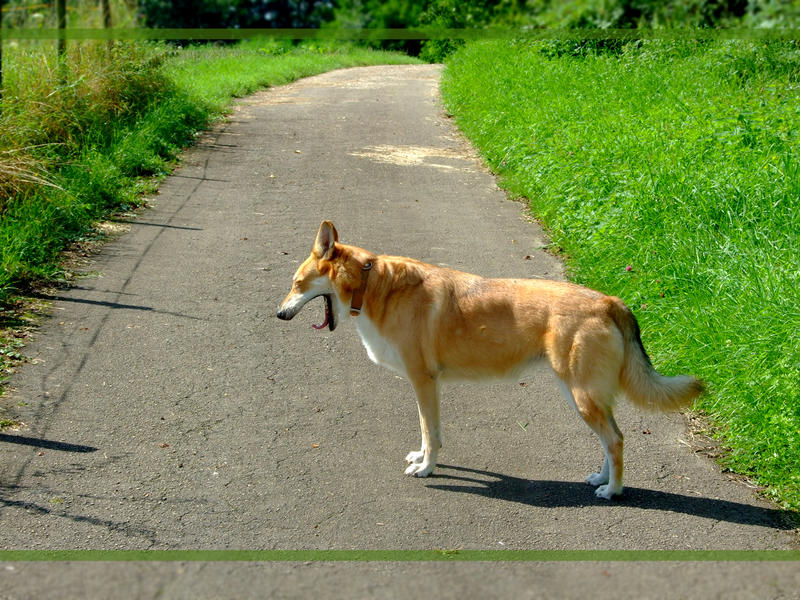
{"points": [[669, 175], [81, 139]]}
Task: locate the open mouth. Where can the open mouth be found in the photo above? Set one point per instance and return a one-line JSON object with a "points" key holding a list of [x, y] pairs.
{"points": [[329, 319]]}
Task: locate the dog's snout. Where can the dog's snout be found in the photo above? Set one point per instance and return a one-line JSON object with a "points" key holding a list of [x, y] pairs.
{"points": [[284, 315]]}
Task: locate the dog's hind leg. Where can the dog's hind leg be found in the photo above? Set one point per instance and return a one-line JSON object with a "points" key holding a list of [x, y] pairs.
{"points": [[423, 462], [601, 419]]}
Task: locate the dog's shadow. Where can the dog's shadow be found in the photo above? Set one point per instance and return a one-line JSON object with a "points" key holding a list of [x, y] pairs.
{"points": [[555, 494]]}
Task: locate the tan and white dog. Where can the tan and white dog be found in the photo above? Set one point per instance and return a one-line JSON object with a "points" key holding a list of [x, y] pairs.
{"points": [[431, 323]]}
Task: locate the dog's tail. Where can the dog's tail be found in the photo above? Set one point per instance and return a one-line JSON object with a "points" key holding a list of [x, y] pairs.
{"points": [[642, 384]]}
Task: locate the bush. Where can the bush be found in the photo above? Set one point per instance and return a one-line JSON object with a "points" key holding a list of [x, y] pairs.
{"points": [[452, 14]]}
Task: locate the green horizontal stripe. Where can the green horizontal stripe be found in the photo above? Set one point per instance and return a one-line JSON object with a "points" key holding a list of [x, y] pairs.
{"points": [[399, 555], [395, 34]]}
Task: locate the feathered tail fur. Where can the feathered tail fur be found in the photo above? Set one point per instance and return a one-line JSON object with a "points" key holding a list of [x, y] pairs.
{"points": [[642, 384]]}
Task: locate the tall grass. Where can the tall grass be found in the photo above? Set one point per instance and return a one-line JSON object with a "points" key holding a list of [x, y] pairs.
{"points": [[64, 155], [670, 176]]}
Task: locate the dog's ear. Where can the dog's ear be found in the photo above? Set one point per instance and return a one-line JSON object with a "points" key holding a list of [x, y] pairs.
{"points": [[327, 237]]}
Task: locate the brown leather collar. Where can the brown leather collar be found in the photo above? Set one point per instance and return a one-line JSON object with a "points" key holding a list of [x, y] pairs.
{"points": [[358, 295]]}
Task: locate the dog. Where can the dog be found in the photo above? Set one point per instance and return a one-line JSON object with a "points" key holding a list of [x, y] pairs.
{"points": [[432, 324]]}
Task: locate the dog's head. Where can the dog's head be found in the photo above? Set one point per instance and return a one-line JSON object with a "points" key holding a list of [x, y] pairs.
{"points": [[315, 277]]}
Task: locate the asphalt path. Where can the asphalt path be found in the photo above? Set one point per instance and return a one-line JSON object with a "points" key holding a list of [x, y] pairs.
{"points": [[165, 406]]}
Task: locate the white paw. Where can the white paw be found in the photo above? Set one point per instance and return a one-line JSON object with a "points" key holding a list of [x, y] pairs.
{"points": [[415, 457], [597, 479], [607, 492], [420, 469]]}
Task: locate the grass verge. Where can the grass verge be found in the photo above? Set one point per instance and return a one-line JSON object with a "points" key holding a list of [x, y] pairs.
{"points": [[669, 174], [86, 137]]}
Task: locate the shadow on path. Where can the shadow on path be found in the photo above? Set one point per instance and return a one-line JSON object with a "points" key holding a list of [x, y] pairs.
{"points": [[122, 526], [554, 494], [47, 444], [115, 305], [163, 225]]}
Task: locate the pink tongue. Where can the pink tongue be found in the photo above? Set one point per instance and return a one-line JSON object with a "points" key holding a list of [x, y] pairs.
{"points": [[324, 325]]}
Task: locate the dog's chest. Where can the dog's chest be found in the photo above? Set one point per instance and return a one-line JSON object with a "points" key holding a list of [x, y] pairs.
{"points": [[379, 349]]}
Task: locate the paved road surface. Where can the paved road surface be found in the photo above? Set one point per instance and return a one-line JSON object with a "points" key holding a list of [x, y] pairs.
{"points": [[169, 408]]}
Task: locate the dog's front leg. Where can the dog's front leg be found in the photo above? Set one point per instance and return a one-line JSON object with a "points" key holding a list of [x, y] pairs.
{"points": [[424, 461]]}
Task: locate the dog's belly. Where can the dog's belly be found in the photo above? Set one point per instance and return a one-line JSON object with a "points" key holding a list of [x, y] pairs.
{"points": [[379, 350], [490, 372]]}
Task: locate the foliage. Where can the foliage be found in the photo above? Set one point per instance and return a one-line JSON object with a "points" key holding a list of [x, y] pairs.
{"points": [[425, 14], [631, 14], [32, 14], [376, 14], [452, 14], [235, 13], [605, 14], [584, 14]]}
